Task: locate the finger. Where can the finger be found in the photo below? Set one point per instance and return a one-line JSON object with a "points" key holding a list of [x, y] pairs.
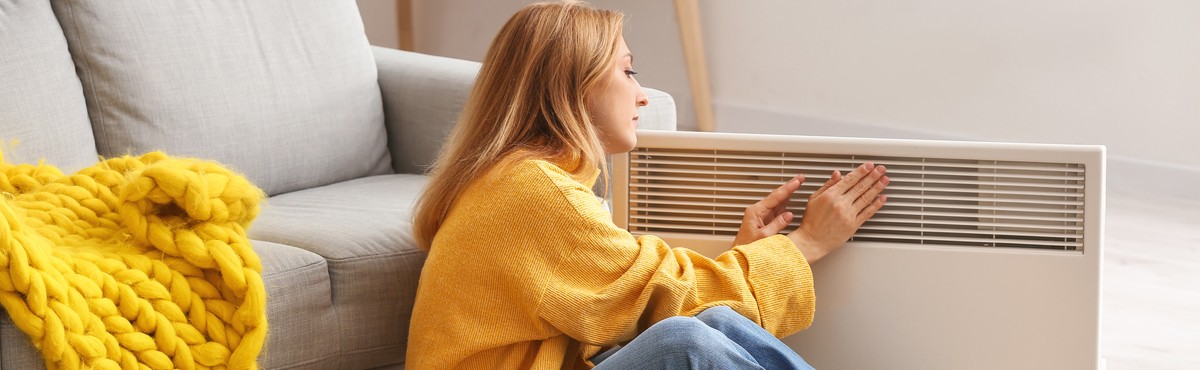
{"points": [[833, 179], [865, 199], [852, 178], [778, 224], [867, 182], [869, 212], [782, 206], [781, 194]]}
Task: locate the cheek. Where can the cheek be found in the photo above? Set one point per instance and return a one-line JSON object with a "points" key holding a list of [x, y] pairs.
{"points": [[608, 110]]}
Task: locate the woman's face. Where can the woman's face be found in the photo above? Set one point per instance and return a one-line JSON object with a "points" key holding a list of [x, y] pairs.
{"points": [[614, 104]]}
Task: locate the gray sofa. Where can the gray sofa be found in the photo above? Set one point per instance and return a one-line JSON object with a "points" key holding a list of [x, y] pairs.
{"points": [[287, 92]]}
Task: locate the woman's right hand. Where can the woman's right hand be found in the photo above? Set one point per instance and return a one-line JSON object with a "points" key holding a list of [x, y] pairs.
{"points": [[836, 210]]}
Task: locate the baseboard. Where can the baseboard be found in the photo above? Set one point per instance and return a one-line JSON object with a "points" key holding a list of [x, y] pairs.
{"points": [[1126, 173]]}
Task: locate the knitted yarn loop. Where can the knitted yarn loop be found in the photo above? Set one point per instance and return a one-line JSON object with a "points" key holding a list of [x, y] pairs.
{"points": [[133, 263]]}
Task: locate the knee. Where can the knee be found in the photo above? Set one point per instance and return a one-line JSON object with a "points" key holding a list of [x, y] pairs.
{"points": [[682, 334], [721, 317], [687, 342]]}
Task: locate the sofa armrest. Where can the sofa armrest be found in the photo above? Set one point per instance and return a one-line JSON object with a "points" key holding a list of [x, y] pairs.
{"points": [[423, 96]]}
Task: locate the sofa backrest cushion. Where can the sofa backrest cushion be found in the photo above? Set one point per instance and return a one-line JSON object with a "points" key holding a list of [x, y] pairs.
{"points": [[283, 91], [42, 110]]}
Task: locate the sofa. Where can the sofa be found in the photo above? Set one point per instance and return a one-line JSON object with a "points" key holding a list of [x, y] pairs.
{"points": [[288, 93]]}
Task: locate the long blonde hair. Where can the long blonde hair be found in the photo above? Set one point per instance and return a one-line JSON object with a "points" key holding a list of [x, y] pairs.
{"points": [[529, 98]]}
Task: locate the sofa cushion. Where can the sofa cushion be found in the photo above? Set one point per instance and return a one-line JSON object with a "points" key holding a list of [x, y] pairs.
{"points": [[283, 91], [302, 332], [18, 351], [43, 106], [362, 228]]}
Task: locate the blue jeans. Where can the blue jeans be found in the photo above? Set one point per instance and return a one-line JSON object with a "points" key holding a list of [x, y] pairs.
{"points": [[718, 338]]}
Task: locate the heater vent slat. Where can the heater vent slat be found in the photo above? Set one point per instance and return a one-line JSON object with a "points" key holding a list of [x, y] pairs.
{"points": [[955, 181], [938, 201], [898, 195], [812, 183], [738, 168]]}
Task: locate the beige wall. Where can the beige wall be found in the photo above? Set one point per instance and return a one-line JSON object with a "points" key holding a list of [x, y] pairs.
{"points": [[379, 19], [1125, 74]]}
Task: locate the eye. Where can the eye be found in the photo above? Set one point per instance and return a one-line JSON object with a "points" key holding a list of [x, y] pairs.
{"points": [[630, 72]]}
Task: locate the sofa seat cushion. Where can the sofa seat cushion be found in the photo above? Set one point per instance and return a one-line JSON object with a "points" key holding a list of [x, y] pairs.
{"points": [[362, 228], [43, 107], [302, 332], [284, 91], [17, 352]]}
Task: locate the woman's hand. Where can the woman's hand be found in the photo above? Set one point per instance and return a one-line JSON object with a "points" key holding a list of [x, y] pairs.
{"points": [[836, 210], [769, 216]]}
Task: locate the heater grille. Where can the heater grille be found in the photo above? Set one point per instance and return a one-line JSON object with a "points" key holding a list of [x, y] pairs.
{"points": [[971, 203]]}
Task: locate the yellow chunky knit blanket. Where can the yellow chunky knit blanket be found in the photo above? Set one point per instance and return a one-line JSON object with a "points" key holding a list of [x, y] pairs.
{"points": [[133, 263]]}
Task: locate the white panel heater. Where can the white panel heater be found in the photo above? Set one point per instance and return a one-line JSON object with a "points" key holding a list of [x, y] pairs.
{"points": [[986, 256]]}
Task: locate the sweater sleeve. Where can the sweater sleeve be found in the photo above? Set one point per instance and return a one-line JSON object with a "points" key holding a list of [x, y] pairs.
{"points": [[611, 286]]}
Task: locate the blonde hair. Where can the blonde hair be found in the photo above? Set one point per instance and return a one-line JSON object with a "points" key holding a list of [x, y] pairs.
{"points": [[529, 98]]}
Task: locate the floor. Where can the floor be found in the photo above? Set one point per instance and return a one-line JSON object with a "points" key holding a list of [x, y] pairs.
{"points": [[1151, 303]]}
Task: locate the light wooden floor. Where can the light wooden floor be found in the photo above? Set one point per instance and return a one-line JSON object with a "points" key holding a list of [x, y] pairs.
{"points": [[1151, 301]]}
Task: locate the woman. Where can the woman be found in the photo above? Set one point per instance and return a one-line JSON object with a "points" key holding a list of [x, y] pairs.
{"points": [[526, 268]]}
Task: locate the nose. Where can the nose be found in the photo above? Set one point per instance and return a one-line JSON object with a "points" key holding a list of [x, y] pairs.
{"points": [[642, 99]]}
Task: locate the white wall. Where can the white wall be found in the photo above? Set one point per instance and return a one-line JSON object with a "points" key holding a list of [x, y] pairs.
{"points": [[1121, 73]]}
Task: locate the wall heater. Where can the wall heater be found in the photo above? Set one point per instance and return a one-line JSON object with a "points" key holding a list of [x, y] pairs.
{"points": [[987, 255]]}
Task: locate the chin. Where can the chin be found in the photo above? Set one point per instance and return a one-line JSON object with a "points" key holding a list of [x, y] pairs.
{"points": [[621, 148], [630, 141]]}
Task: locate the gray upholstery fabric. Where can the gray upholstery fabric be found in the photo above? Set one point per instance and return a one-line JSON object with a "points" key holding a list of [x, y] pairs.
{"points": [[302, 328], [423, 96], [17, 351], [362, 228], [41, 100], [284, 91]]}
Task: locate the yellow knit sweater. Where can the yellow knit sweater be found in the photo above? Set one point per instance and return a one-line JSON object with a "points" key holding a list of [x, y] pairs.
{"points": [[528, 271]]}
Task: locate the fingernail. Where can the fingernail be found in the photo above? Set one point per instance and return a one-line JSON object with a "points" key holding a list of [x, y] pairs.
{"points": [[870, 165], [883, 198], [885, 180], [881, 169]]}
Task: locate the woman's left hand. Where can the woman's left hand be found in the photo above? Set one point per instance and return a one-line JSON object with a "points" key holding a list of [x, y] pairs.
{"points": [[768, 216]]}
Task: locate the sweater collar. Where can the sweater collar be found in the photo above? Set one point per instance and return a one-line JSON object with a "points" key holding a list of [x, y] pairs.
{"points": [[587, 176]]}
